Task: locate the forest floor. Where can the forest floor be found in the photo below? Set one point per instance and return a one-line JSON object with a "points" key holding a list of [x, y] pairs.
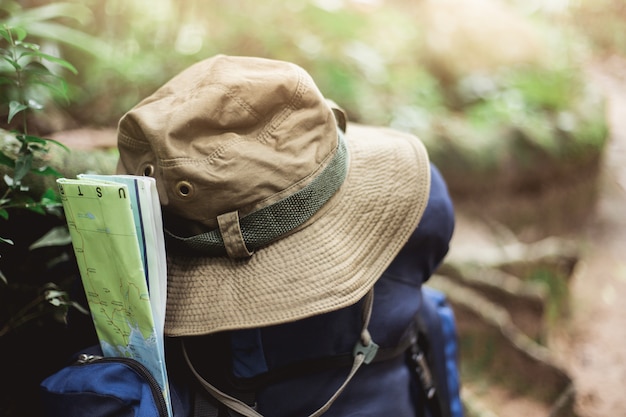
{"points": [[589, 342], [592, 344]]}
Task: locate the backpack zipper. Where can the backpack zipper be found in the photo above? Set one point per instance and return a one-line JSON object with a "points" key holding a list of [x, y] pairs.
{"points": [[155, 388]]}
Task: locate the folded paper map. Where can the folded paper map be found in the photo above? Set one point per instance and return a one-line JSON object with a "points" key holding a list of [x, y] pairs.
{"points": [[117, 234]]}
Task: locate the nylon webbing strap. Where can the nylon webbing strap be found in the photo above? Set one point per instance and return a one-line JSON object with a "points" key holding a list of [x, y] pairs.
{"points": [[261, 227], [364, 352]]}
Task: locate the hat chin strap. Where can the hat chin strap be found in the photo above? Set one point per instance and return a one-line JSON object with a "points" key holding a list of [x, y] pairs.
{"points": [[364, 352]]}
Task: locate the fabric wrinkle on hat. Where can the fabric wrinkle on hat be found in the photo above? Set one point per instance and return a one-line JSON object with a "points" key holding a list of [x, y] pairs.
{"points": [[215, 127], [296, 218]]}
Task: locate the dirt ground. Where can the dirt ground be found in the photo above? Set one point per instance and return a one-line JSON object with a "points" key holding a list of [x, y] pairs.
{"points": [[592, 346]]}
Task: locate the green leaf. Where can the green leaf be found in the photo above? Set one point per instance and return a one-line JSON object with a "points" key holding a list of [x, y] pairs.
{"points": [[14, 108], [57, 236], [34, 139], [35, 69], [37, 73], [20, 33], [12, 34], [59, 61], [13, 63], [4, 214], [4, 240], [4, 32], [57, 143]]}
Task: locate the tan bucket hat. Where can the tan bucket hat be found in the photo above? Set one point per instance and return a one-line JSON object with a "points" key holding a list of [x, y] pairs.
{"points": [[272, 213]]}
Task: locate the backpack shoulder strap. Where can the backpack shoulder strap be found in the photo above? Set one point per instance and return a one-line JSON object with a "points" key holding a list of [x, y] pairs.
{"points": [[364, 352], [418, 343]]}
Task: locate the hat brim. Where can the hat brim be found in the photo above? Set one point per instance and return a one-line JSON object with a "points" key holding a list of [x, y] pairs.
{"points": [[329, 264]]}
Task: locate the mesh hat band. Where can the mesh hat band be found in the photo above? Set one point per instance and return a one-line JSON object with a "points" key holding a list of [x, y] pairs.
{"points": [[271, 222]]}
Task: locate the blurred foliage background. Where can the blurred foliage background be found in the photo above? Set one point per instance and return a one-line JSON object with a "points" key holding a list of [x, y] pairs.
{"points": [[489, 85], [395, 62], [497, 89], [404, 63]]}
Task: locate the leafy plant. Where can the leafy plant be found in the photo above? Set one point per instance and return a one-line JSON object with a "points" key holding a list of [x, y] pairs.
{"points": [[24, 76], [28, 80]]}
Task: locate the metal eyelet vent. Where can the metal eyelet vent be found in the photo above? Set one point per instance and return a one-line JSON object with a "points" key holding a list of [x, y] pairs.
{"points": [[148, 170], [184, 189]]}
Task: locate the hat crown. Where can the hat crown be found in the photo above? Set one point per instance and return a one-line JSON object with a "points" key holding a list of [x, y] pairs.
{"points": [[229, 134]]}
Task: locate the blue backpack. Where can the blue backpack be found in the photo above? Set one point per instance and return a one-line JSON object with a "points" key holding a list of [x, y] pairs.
{"points": [[439, 328], [93, 385], [120, 387]]}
